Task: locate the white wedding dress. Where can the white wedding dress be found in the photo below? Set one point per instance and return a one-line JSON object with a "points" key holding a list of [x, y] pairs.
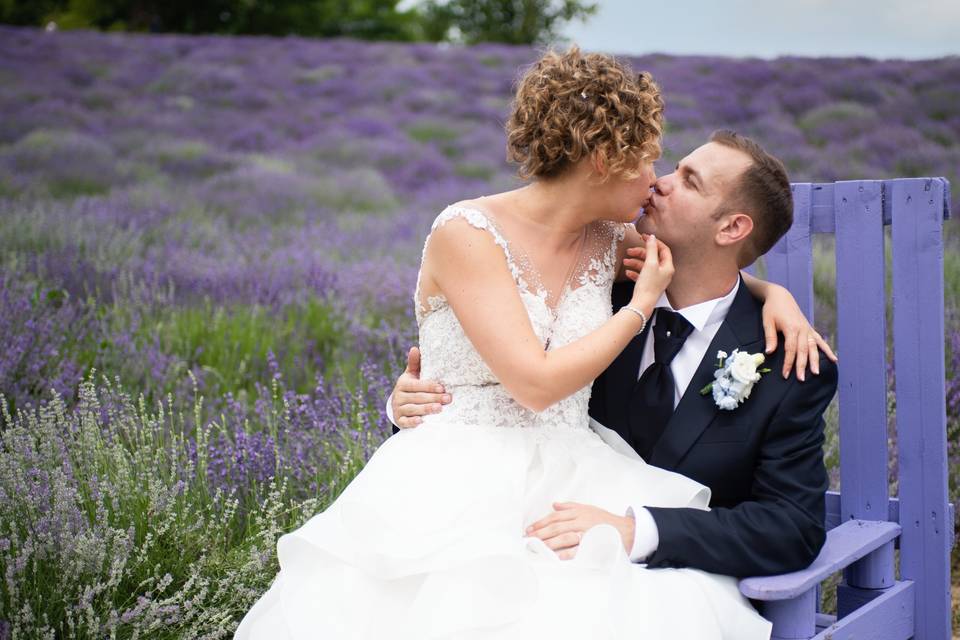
{"points": [[427, 542]]}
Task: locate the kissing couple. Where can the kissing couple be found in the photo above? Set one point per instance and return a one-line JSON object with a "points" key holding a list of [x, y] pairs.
{"points": [[601, 428]]}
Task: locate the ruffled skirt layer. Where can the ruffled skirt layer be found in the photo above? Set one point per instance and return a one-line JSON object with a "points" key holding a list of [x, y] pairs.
{"points": [[427, 542]]}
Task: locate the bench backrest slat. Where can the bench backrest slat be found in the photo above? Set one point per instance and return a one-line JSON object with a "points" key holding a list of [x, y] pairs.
{"points": [[861, 324], [917, 212], [790, 261]]}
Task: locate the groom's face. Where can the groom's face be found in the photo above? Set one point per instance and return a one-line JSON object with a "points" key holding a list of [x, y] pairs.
{"points": [[681, 210]]}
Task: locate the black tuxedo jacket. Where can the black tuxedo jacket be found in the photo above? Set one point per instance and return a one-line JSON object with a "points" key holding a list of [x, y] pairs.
{"points": [[763, 461]]}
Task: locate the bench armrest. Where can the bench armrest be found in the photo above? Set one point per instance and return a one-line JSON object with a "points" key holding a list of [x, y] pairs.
{"points": [[845, 544]]}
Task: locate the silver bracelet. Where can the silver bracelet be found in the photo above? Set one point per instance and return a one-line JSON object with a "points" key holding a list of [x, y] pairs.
{"points": [[643, 317]]}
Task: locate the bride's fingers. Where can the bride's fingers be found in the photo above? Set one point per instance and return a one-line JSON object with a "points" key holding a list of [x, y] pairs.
{"points": [[653, 251], [637, 252], [824, 346], [790, 352], [665, 255], [633, 263], [814, 358], [633, 275], [803, 349]]}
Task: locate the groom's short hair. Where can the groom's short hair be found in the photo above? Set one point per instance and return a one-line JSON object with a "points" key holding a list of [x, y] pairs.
{"points": [[762, 192]]}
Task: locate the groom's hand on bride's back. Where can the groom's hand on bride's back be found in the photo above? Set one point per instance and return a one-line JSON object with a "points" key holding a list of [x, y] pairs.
{"points": [[413, 398]]}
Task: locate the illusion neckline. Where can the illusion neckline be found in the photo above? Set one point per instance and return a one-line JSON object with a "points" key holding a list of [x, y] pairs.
{"points": [[516, 250]]}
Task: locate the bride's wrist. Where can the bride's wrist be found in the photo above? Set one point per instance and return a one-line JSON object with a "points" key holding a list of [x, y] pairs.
{"points": [[641, 317], [644, 303]]}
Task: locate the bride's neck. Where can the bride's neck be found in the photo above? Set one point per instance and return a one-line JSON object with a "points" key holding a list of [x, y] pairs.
{"points": [[557, 209]]}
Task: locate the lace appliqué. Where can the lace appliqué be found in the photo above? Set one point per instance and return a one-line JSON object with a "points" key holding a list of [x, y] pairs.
{"points": [[449, 357], [600, 270]]}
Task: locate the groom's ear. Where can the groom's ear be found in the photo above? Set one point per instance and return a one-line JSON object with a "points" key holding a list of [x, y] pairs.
{"points": [[734, 228]]}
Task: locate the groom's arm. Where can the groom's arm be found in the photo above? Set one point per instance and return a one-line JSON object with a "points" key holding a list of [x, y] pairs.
{"points": [[781, 528]]}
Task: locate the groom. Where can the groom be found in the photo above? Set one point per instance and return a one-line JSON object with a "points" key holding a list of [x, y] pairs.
{"points": [[727, 203]]}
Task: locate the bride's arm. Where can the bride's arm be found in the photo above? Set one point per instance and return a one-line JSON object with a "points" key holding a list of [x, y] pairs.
{"points": [[469, 269], [782, 313]]}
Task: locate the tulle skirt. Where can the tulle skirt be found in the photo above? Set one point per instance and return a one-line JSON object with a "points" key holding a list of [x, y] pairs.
{"points": [[428, 542]]}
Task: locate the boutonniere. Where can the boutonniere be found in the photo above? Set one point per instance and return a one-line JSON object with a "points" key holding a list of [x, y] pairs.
{"points": [[734, 378]]}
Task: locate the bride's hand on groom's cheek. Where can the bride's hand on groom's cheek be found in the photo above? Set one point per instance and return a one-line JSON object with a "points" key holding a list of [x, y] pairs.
{"points": [[414, 398], [563, 529], [662, 268]]}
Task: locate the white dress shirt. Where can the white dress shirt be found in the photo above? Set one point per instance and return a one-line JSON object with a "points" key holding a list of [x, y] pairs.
{"points": [[706, 318]]}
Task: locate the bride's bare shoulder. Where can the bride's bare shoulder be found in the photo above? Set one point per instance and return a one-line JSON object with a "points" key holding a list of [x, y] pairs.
{"points": [[461, 215], [493, 203], [464, 226], [472, 203], [480, 213]]}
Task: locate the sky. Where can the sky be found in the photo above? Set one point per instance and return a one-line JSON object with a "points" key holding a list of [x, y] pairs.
{"points": [[911, 29]]}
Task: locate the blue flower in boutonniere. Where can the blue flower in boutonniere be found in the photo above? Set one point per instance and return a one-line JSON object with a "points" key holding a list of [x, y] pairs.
{"points": [[734, 378]]}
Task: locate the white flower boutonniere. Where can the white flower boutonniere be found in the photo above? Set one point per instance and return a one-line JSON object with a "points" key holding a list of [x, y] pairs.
{"points": [[734, 378]]}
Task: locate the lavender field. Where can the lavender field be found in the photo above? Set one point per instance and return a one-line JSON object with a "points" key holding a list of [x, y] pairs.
{"points": [[208, 248]]}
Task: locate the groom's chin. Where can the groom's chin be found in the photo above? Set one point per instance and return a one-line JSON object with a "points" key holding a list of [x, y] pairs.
{"points": [[643, 225]]}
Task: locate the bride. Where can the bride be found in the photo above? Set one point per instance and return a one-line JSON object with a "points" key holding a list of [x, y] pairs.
{"points": [[513, 308]]}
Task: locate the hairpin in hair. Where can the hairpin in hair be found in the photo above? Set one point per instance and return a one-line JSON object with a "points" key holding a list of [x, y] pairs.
{"points": [[583, 94]]}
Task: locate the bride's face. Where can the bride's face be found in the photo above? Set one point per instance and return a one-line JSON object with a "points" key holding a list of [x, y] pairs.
{"points": [[625, 197]]}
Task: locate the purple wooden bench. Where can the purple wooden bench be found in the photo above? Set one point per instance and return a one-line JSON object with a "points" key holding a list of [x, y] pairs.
{"points": [[865, 525]]}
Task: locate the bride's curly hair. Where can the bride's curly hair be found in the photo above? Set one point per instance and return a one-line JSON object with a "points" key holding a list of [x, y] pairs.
{"points": [[570, 105]]}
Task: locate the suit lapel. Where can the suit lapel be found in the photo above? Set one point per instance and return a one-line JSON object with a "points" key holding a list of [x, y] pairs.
{"points": [[742, 329]]}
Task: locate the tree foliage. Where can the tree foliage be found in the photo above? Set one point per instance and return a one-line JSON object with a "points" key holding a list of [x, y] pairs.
{"points": [[366, 19], [510, 21]]}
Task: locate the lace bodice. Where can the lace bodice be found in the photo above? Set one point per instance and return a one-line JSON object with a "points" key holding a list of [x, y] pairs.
{"points": [[583, 305]]}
